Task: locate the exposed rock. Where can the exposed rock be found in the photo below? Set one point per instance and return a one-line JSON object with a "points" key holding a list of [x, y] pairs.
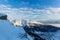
{"points": [[42, 28], [3, 16], [30, 31]]}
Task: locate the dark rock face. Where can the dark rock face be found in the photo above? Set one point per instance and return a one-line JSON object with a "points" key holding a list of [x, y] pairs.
{"points": [[45, 28], [42, 28], [4, 17], [31, 33]]}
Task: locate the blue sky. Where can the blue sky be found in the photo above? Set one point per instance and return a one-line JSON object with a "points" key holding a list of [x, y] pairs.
{"points": [[40, 4]]}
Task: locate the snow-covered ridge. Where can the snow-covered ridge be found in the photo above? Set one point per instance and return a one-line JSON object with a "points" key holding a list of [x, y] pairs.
{"points": [[26, 22], [31, 23]]}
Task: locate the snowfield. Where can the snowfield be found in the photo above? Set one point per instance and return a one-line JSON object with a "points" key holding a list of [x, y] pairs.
{"points": [[10, 32]]}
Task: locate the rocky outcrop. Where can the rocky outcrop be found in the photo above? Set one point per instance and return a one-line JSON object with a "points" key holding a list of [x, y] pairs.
{"points": [[3, 16], [35, 31]]}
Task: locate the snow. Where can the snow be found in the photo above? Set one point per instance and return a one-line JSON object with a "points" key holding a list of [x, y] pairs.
{"points": [[10, 32], [56, 35]]}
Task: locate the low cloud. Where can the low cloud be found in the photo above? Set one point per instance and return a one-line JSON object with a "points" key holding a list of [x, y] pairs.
{"points": [[30, 13]]}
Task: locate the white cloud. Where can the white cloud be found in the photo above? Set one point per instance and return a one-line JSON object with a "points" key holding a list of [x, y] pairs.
{"points": [[29, 13]]}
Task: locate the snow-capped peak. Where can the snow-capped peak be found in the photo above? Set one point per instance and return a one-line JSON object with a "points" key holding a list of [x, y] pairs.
{"points": [[26, 22]]}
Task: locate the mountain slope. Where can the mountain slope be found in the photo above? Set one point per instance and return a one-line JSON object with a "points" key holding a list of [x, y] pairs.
{"points": [[10, 32]]}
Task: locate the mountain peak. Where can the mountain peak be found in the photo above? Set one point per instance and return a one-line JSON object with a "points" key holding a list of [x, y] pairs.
{"points": [[26, 22]]}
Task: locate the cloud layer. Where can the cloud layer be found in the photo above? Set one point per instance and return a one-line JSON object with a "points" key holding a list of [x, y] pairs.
{"points": [[30, 13]]}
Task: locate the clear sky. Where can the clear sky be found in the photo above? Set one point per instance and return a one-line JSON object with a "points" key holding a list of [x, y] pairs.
{"points": [[31, 3]]}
